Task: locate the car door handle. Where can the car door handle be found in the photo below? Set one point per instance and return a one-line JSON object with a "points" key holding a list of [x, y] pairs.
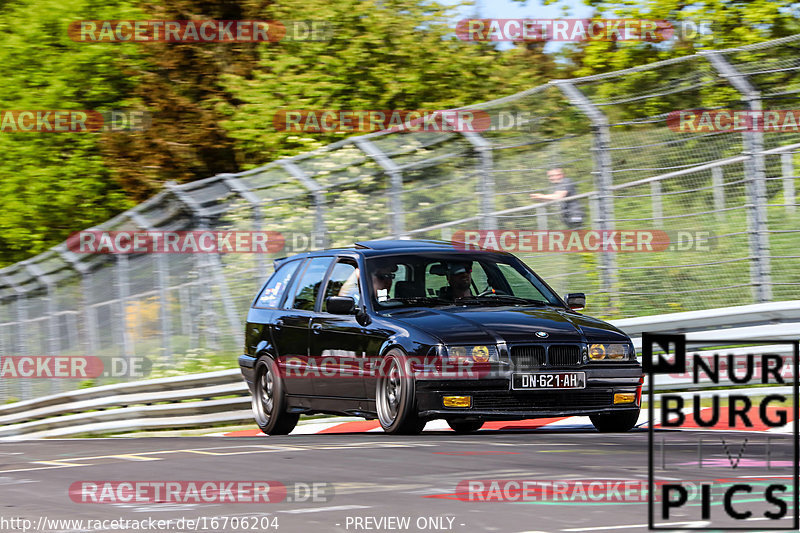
{"points": [[316, 328], [278, 324]]}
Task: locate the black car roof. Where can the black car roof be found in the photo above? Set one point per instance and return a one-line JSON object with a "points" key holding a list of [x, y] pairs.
{"points": [[406, 244], [391, 246]]}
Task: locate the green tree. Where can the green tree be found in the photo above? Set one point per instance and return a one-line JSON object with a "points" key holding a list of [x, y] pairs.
{"points": [[384, 54], [180, 84], [54, 183], [732, 23]]}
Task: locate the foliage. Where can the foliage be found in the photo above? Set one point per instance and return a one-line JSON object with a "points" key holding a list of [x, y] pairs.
{"points": [[54, 183], [397, 54], [732, 23]]}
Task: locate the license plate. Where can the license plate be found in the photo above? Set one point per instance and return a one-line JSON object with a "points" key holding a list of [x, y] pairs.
{"points": [[548, 380]]}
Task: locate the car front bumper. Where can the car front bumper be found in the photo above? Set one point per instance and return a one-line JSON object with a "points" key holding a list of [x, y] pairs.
{"points": [[493, 399]]}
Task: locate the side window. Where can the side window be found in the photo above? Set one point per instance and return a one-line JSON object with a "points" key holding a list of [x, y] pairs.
{"points": [[276, 285], [343, 282], [480, 280], [307, 289]]}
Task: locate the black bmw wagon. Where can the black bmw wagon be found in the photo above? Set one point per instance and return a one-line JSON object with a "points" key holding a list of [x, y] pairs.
{"points": [[410, 331]]}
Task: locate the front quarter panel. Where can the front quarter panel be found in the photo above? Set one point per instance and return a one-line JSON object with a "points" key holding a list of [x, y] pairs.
{"points": [[384, 334]]}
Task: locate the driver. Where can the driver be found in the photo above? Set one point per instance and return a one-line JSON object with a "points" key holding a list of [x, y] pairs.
{"points": [[382, 274], [459, 279]]}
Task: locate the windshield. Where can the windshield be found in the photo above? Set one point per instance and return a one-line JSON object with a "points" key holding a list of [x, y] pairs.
{"points": [[430, 279]]}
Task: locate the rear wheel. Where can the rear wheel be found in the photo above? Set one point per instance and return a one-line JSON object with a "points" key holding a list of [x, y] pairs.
{"points": [[269, 400], [465, 426], [395, 395], [616, 422]]}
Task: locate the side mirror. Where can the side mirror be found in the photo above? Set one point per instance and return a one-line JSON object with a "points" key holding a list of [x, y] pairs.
{"points": [[340, 305], [576, 300]]}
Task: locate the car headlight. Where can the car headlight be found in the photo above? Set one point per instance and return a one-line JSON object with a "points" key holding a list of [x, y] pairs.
{"points": [[480, 353], [616, 352]]}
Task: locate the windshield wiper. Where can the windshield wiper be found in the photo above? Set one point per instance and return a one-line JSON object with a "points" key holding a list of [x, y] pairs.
{"points": [[503, 298], [423, 300]]}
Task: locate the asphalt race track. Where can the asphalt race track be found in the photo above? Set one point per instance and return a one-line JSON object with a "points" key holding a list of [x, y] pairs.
{"points": [[379, 480]]}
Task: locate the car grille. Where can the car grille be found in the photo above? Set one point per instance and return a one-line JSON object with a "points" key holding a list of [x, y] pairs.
{"points": [[544, 400], [564, 355], [527, 357], [532, 357]]}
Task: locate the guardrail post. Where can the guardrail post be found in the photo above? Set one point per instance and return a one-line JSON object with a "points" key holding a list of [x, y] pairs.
{"points": [[22, 345], [718, 190], [5, 351], [319, 233], [603, 180], [760, 274], [123, 292], [52, 318], [242, 190], [90, 341], [787, 171], [658, 206], [541, 218], [397, 216], [486, 189], [215, 264], [161, 268], [90, 316]]}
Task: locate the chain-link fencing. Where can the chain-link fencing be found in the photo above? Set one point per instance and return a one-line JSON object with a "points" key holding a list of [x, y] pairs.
{"points": [[725, 199]]}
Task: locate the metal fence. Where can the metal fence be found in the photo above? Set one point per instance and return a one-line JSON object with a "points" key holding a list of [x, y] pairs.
{"points": [[608, 132]]}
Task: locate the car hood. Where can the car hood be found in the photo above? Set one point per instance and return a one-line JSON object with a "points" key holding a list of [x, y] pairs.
{"points": [[465, 325]]}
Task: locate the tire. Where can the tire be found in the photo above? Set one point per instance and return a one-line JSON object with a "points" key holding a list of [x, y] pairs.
{"points": [[616, 422], [269, 400], [395, 395], [465, 426]]}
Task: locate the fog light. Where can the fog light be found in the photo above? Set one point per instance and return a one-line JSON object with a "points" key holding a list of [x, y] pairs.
{"points": [[480, 354], [597, 352], [457, 401], [624, 397]]}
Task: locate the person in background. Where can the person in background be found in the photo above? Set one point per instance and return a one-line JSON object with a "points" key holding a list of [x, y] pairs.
{"points": [[563, 187]]}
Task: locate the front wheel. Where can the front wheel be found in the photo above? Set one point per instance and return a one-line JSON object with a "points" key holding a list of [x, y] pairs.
{"points": [[269, 400], [615, 422], [395, 395]]}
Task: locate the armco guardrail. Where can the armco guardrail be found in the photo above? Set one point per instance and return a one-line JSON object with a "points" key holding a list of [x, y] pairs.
{"points": [[183, 401], [772, 321], [775, 320], [222, 397]]}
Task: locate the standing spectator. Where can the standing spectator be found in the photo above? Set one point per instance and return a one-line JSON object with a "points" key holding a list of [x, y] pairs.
{"points": [[563, 187]]}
